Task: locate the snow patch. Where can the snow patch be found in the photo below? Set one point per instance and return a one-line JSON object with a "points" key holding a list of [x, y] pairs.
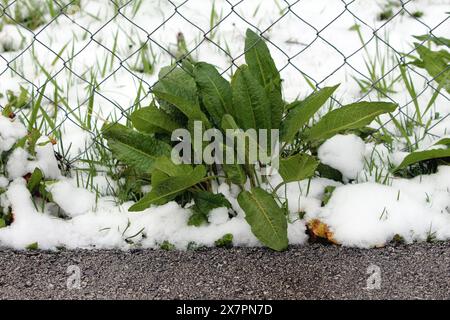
{"points": [[74, 201], [344, 153], [10, 132], [371, 214], [19, 163], [112, 226], [218, 216], [3, 182]]}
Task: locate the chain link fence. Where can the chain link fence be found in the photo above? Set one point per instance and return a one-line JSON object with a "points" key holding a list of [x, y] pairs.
{"points": [[86, 62]]}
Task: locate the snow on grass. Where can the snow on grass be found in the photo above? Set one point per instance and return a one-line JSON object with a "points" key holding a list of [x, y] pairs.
{"points": [[363, 215], [111, 226]]}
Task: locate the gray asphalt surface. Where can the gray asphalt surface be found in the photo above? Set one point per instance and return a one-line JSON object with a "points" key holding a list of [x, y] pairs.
{"points": [[419, 271]]}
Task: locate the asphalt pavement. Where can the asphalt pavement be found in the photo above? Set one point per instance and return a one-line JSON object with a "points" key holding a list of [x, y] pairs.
{"points": [[418, 271]]}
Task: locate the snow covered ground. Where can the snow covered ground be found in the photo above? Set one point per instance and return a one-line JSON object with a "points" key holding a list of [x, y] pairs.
{"points": [[316, 38]]}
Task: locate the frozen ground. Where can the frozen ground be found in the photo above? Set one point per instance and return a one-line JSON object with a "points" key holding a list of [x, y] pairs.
{"points": [[313, 38]]}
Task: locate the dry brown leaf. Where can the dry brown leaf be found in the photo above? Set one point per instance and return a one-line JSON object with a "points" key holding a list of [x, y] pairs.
{"points": [[318, 229]]}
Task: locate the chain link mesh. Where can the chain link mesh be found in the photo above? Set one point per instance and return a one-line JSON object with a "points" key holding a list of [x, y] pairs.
{"points": [[82, 29]]}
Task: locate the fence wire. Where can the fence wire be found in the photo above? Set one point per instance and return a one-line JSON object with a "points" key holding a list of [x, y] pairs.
{"points": [[31, 19]]}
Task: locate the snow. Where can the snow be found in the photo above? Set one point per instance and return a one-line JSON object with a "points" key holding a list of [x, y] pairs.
{"points": [[344, 153], [8, 38], [3, 182], [303, 196], [104, 185], [74, 201], [10, 132], [218, 216], [365, 213], [19, 163], [112, 226], [371, 214], [107, 226]]}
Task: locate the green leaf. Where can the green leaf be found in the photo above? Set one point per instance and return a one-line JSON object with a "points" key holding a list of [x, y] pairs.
{"points": [[35, 180], [298, 167], [263, 68], [327, 194], [259, 60], [176, 87], [136, 149], [32, 122], [165, 164], [7, 111], [45, 195], [33, 138], [419, 156], [170, 109], [440, 41], [169, 188], [352, 116], [302, 111], [265, 217], [197, 218], [443, 141], [235, 173], [32, 246], [188, 66], [205, 202], [214, 90], [2, 223], [225, 242], [436, 63], [228, 122], [167, 246], [153, 120], [157, 177], [276, 104], [252, 108], [191, 110], [325, 171]]}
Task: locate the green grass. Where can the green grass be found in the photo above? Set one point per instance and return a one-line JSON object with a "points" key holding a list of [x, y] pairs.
{"points": [[377, 66], [214, 19], [28, 14], [145, 60]]}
